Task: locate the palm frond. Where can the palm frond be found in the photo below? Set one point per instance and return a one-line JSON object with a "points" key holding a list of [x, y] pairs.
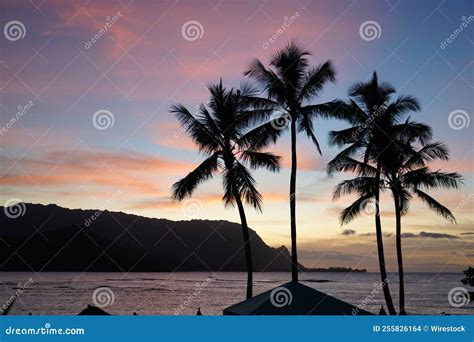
{"points": [[261, 159], [404, 198], [252, 116], [291, 64], [186, 186], [336, 164], [346, 136], [269, 81], [428, 153], [427, 179], [261, 136], [359, 185], [435, 205], [371, 93], [402, 105], [316, 79], [411, 131], [200, 134], [335, 109], [250, 108], [347, 164], [206, 118], [349, 213], [246, 186], [305, 124]]}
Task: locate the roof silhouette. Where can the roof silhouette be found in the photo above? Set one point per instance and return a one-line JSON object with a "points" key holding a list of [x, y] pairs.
{"points": [[294, 298], [93, 311]]}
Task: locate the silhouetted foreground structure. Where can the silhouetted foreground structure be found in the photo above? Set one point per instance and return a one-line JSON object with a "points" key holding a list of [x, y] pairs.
{"points": [[469, 277], [294, 298], [93, 311]]}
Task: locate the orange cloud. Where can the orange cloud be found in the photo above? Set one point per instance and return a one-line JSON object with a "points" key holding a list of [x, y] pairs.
{"points": [[213, 198], [91, 168]]}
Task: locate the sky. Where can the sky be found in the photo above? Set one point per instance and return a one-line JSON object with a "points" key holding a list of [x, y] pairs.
{"points": [[86, 86]]}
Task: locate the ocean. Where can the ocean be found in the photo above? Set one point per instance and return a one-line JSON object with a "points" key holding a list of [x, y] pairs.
{"points": [[182, 293]]}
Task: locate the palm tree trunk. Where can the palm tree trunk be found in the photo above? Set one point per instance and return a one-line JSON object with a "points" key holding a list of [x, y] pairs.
{"points": [[378, 230], [294, 255], [398, 218], [248, 250]]}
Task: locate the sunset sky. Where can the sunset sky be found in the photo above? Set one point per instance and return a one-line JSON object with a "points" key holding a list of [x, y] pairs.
{"points": [[145, 62]]}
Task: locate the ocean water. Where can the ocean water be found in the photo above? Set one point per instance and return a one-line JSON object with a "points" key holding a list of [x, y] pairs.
{"points": [[183, 293]]}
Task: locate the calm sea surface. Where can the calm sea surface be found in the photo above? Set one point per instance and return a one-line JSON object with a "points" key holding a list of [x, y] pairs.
{"points": [[182, 293]]}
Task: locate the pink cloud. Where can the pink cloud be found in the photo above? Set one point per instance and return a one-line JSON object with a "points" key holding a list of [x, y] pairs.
{"points": [[92, 168]]}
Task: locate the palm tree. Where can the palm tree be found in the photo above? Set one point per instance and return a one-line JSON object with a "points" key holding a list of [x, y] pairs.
{"points": [[291, 84], [220, 132], [405, 181], [374, 117], [408, 177]]}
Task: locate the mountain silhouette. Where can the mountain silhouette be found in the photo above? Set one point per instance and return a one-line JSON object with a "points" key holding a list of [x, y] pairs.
{"points": [[52, 238]]}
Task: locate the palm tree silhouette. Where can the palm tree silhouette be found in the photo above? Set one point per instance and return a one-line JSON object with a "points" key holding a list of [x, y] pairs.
{"points": [[404, 181], [407, 177], [375, 124], [291, 84], [220, 132]]}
